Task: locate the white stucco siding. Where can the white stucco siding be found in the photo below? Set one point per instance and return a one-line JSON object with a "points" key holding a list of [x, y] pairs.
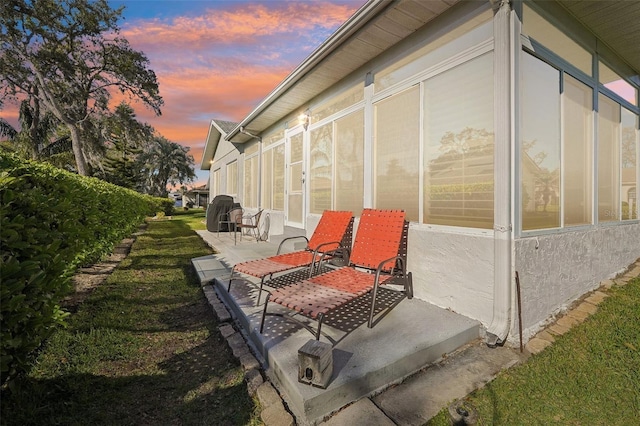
{"points": [[453, 270], [567, 265]]}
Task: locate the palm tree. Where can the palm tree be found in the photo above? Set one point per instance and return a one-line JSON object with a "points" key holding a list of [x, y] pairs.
{"points": [[165, 163]]}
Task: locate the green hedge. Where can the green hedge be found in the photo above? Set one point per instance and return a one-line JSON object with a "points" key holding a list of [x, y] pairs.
{"points": [[52, 222]]}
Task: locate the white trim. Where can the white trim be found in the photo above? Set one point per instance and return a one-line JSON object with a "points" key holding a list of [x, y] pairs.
{"points": [[458, 230], [337, 115], [441, 67], [367, 202]]}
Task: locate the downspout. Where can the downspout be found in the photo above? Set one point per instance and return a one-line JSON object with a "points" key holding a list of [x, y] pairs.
{"points": [[246, 132], [502, 30]]}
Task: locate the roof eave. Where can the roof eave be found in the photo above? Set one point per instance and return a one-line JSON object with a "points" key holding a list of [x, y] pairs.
{"points": [[213, 139], [353, 24]]}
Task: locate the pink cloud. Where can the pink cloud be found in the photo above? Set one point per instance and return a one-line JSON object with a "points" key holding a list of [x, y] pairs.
{"points": [[244, 24]]}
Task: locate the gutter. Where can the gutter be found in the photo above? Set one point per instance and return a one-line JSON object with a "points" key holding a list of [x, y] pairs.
{"points": [[504, 77], [342, 34]]}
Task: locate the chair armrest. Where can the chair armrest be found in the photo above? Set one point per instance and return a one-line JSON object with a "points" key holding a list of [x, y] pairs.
{"points": [[376, 282], [343, 252], [381, 265], [290, 238]]}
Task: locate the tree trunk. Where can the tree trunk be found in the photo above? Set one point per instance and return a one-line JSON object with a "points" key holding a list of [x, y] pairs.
{"points": [[76, 144]]}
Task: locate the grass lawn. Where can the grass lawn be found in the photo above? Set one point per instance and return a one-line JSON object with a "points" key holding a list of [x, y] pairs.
{"points": [[589, 376], [143, 349]]}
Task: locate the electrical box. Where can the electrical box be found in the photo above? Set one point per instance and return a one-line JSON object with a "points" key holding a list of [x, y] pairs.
{"points": [[315, 363]]}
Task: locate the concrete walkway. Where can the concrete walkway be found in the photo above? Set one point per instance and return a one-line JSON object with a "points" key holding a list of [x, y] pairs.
{"points": [[417, 385]]}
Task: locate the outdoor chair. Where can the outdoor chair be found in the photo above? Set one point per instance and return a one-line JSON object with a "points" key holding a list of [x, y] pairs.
{"points": [[251, 224], [331, 237], [231, 221], [378, 257]]}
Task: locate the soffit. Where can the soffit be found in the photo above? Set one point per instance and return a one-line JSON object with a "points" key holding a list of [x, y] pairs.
{"points": [[616, 23], [393, 22]]}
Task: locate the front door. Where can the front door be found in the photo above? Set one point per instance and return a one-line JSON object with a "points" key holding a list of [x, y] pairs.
{"points": [[295, 179]]}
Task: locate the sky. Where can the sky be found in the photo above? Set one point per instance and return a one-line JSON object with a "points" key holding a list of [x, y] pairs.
{"points": [[219, 59]]}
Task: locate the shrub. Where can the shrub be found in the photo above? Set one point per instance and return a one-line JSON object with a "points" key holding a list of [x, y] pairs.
{"points": [[165, 205], [52, 222]]}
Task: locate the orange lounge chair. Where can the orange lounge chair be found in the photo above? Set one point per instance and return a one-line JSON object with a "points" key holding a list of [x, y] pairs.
{"points": [[334, 231], [378, 256]]}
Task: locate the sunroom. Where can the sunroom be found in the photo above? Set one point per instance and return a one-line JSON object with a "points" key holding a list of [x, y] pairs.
{"points": [[507, 131]]}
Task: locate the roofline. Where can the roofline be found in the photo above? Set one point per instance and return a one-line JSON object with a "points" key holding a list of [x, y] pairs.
{"points": [[206, 165], [346, 30]]}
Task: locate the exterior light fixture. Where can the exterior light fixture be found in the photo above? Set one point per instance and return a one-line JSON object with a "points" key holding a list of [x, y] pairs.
{"points": [[305, 119]]}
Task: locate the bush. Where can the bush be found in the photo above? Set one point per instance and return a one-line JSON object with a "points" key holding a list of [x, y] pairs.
{"points": [[52, 222], [165, 205]]}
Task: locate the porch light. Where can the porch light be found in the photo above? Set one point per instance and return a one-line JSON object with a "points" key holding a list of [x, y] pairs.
{"points": [[305, 119]]}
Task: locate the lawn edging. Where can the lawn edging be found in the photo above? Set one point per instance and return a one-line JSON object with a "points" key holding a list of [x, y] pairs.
{"points": [[273, 411]]}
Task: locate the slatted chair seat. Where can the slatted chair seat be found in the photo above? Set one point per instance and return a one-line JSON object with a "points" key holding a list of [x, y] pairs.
{"points": [[334, 231], [378, 255], [325, 292]]}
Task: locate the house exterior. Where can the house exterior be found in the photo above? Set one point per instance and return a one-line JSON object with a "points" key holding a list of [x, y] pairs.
{"points": [[196, 197], [507, 131]]}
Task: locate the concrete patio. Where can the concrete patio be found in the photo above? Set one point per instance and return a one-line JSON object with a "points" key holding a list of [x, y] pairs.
{"points": [[408, 335]]}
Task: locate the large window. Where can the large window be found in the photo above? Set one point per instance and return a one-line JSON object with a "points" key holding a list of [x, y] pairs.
{"points": [[608, 160], [440, 48], [397, 159], [558, 147], [232, 178], [273, 137], [273, 178], [321, 168], [577, 135], [349, 155], [540, 146], [338, 103], [339, 143], [629, 165], [458, 140], [250, 197], [216, 182]]}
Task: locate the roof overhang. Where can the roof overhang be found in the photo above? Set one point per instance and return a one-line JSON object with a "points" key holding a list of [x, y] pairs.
{"points": [[379, 24], [616, 23], [376, 26], [218, 130]]}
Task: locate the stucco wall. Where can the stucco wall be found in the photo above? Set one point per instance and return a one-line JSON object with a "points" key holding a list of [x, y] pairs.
{"points": [[557, 269], [453, 270]]}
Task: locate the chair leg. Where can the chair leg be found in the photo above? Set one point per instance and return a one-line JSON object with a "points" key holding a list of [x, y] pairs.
{"points": [[230, 279], [409, 286], [320, 318], [264, 313], [260, 292]]}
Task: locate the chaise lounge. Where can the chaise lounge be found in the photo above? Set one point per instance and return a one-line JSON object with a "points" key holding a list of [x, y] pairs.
{"points": [[331, 237], [378, 257]]}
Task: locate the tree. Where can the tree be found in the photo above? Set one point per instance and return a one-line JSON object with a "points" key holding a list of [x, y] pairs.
{"points": [[165, 163], [126, 137], [68, 55], [40, 136]]}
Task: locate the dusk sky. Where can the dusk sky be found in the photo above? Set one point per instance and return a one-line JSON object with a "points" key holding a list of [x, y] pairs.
{"points": [[219, 59]]}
